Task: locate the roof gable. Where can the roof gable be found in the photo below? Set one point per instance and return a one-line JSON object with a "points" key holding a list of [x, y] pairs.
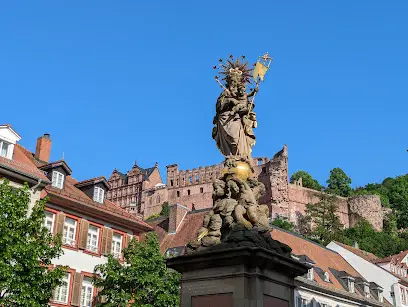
{"points": [[8, 134]]}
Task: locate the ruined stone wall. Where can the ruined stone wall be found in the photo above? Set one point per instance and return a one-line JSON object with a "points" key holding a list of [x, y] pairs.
{"points": [[367, 207], [300, 196], [152, 200], [276, 180], [193, 189]]}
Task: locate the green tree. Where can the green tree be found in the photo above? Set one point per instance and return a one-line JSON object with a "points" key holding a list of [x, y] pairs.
{"points": [[338, 183], [165, 209], [307, 180], [398, 196], [26, 251], [144, 281], [282, 223], [325, 225], [381, 243]]}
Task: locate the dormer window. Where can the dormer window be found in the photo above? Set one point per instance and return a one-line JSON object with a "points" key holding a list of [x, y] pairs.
{"points": [[8, 138], [57, 179], [4, 149], [98, 194]]}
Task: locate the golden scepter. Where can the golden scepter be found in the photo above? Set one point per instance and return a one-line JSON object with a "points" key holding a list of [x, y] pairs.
{"points": [[259, 74]]}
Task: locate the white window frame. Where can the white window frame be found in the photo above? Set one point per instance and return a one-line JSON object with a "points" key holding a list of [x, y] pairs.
{"points": [[93, 235], [98, 195], [87, 290], [8, 148], [57, 179], [57, 294], [49, 217], [310, 274], [66, 240], [117, 253], [350, 285]]}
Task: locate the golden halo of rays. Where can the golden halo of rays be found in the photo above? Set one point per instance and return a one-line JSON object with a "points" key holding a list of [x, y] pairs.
{"points": [[240, 64]]}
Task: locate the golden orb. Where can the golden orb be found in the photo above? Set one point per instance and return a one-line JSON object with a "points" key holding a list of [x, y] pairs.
{"points": [[242, 170]]}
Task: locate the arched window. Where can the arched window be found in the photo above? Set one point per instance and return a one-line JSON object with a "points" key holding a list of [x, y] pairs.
{"points": [[196, 178], [188, 192]]}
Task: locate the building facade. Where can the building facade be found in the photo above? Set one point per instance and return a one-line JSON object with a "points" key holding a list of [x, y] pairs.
{"points": [[126, 189], [91, 226], [392, 279]]}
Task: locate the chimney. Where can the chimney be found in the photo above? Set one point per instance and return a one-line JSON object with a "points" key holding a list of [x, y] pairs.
{"points": [[177, 213], [43, 148]]}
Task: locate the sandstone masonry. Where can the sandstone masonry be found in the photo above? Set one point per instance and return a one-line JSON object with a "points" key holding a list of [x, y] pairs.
{"points": [[192, 189]]}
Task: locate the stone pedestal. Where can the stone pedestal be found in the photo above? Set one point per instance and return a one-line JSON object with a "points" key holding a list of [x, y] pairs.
{"points": [[240, 276]]}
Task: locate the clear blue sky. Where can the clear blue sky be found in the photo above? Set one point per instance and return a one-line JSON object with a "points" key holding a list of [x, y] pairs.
{"points": [[119, 81]]}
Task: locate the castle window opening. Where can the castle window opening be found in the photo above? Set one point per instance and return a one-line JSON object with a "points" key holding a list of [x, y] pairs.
{"points": [[259, 161], [177, 182], [171, 183], [191, 179], [193, 207], [178, 193], [263, 169], [201, 190], [196, 178], [158, 199], [188, 192]]}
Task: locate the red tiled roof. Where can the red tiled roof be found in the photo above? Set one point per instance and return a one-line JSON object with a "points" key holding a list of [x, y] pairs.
{"points": [[72, 193], [324, 258], [361, 253], [92, 181], [394, 258], [23, 164], [185, 233]]}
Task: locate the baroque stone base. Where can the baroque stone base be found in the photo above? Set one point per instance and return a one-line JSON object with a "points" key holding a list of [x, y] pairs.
{"points": [[244, 275]]}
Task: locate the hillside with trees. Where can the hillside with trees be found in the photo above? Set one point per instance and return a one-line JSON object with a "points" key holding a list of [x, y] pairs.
{"points": [[393, 193]]}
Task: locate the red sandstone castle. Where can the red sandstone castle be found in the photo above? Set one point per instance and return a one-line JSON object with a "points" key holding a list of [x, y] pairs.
{"points": [[142, 191]]}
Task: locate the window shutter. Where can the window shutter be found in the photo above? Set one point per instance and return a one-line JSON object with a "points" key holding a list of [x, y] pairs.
{"points": [[126, 240], [83, 234], [76, 290], [109, 234], [54, 179], [103, 247], [95, 194], [60, 219], [100, 298], [102, 195]]}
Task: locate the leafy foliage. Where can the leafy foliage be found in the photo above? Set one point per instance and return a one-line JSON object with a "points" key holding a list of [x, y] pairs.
{"points": [[338, 183], [26, 251], [165, 211], [143, 281], [282, 223], [381, 244], [307, 180], [323, 223]]}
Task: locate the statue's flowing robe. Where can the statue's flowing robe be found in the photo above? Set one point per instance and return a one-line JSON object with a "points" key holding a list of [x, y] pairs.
{"points": [[229, 132]]}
